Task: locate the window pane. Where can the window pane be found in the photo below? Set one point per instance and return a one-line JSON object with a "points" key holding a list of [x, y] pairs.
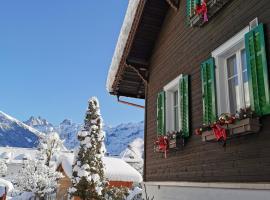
{"points": [[232, 66], [233, 84], [175, 98], [245, 77], [244, 60], [176, 119], [176, 113], [234, 94]]}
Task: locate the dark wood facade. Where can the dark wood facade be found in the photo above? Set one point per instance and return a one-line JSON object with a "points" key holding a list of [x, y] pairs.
{"points": [[180, 49]]}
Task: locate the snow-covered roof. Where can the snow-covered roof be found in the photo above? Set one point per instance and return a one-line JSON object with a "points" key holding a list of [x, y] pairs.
{"points": [[134, 152], [122, 41], [6, 184], [17, 155], [116, 169]]}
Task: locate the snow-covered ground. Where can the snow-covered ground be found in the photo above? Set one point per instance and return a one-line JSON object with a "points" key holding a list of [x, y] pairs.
{"points": [[116, 169]]}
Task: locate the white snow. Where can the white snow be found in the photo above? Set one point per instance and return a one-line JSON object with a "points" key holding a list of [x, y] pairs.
{"points": [[134, 151], [118, 170], [18, 155], [24, 196], [6, 155], [38, 178], [133, 154], [115, 168], [133, 193], [122, 41], [6, 184]]}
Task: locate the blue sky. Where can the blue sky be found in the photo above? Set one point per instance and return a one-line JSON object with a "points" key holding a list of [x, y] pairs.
{"points": [[54, 55]]}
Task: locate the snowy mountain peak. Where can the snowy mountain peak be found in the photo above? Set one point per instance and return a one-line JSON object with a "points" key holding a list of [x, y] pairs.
{"points": [[39, 121], [8, 121], [67, 122], [17, 134], [40, 124]]}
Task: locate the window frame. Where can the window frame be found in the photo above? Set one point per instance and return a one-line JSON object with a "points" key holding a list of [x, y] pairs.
{"points": [[170, 89], [233, 46]]}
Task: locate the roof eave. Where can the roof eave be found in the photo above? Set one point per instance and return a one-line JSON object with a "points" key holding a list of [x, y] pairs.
{"points": [[124, 42]]}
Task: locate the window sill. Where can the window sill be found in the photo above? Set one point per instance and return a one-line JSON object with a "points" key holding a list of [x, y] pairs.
{"points": [[240, 128], [213, 7]]}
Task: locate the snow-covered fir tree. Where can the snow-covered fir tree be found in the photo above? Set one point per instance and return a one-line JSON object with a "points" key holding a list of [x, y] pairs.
{"points": [[37, 178], [3, 167], [88, 180], [49, 145]]}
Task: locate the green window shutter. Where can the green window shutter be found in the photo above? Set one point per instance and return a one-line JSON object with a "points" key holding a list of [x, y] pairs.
{"points": [[208, 91], [184, 104], [161, 113], [190, 9], [257, 70], [190, 6]]}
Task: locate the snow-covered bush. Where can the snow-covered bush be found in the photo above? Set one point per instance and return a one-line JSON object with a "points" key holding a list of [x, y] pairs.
{"points": [[49, 145], [3, 167], [37, 178], [88, 180], [116, 193]]}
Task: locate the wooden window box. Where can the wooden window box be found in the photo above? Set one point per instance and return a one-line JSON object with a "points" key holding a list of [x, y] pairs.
{"points": [[243, 127], [176, 141], [213, 7]]}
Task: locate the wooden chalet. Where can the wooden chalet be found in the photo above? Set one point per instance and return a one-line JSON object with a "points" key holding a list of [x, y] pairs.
{"points": [[117, 172], [202, 68]]}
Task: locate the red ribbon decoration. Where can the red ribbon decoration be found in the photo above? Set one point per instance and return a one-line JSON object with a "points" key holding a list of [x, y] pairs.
{"points": [[162, 145], [219, 132], [202, 10]]}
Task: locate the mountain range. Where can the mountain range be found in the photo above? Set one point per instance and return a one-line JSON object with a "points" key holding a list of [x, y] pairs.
{"points": [[15, 133]]}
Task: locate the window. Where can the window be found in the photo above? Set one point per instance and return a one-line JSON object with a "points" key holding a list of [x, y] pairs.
{"points": [[236, 76], [237, 81], [172, 105], [231, 75], [176, 110]]}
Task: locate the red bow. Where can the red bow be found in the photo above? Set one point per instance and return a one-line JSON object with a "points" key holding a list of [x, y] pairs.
{"points": [[202, 9], [162, 145], [219, 132]]}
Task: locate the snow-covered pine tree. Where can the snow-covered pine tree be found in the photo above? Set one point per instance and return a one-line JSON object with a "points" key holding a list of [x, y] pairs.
{"points": [[88, 180], [49, 145]]}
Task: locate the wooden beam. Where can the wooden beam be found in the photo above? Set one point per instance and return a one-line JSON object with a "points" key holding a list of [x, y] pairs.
{"points": [[139, 74]]}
